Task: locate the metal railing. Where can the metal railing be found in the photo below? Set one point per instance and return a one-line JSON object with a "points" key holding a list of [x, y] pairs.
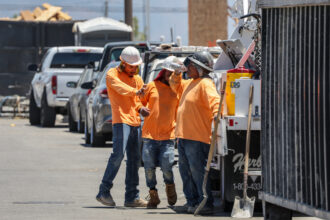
{"points": [[296, 108]]}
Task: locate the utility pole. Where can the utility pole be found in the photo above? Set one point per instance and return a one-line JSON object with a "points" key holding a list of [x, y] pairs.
{"points": [[171, 30], [146, 19], [106, 8], [129, 14]]}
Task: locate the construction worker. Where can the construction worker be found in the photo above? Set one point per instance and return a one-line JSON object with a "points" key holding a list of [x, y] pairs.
{"points": [[158, 133], [198, 105], [124, 86]]}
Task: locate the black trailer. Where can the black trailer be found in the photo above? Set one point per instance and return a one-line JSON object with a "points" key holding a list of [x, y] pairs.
{"points": [[23, 43], [295, 136]]}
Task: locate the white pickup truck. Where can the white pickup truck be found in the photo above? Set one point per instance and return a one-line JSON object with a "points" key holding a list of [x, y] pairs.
{"points": [[49, 92]]}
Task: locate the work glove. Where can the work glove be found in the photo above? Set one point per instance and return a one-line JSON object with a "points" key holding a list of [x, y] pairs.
{"points": [[144, 111], [178, 68], [141, 92]]}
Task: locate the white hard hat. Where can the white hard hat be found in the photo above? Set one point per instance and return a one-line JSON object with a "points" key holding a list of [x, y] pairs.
{"points": [[171, 63], [131, 55]]}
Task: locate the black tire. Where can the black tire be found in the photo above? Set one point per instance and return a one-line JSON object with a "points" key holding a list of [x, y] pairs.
{"points": [[72, 123], [97, 140], [87, 134], [34, 111], [47, 113], [80, 124]]}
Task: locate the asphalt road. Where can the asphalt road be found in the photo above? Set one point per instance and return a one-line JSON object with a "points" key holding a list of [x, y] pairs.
{"points": [[48, 173]]}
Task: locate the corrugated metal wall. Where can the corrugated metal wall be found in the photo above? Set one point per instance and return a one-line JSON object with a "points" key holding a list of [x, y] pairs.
{"points": [[296, 106], [23, 43]]}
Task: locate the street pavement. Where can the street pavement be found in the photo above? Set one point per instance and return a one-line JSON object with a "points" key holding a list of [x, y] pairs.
{"points": [[49, 173]]}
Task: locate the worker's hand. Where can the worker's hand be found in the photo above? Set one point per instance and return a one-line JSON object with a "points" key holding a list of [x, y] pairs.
{"points": [[141, 92], [177, 72], [179, 68], [144, 111]]}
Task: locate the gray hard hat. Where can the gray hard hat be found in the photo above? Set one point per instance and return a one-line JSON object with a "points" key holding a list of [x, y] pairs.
{"points": [[203, 59]]}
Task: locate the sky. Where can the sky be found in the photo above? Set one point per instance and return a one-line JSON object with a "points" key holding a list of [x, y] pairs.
{"points": [[164, 14]]}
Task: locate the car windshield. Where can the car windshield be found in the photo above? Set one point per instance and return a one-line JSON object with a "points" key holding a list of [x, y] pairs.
{"points": [[74, 60]]}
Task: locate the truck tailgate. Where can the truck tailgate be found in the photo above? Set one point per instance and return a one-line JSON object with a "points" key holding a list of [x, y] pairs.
{"points": [[62, 79]]}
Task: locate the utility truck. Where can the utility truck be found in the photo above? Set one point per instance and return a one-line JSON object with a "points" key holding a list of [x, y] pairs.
{"points": [[239, 66]]}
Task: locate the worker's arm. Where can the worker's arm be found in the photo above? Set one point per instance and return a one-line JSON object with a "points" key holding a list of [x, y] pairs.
{"points": [[211, 96], [144, 111], [146, 96], [177, 84], [139, 84], [119, 86]]}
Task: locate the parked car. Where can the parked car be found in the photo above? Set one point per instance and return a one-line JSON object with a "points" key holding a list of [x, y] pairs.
{"points": [[77, 102], [98, 123], [49, 94]]}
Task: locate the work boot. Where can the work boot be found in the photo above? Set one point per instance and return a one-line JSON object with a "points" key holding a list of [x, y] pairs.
{"points": [[181, 209], [171, 193], [192, 209], [154, 199], [206, 210], [136, 203], [105, 199]]}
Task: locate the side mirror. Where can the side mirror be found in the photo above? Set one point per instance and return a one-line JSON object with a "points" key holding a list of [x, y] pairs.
{"points": [[71, 84], [33, 67], [87, 85]]}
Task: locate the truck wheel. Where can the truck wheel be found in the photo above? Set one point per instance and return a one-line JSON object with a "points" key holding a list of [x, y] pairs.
{"points": [[87, 134], [34, 111], [97, 140], [274, 212], [47, 113], [80, 124], [72, 123]]}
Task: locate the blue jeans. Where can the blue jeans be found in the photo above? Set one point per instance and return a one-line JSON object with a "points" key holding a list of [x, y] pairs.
{"points": [[158, 153], [126, 138], [192, 163]]}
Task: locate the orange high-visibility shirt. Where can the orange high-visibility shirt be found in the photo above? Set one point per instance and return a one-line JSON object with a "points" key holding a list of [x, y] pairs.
{"points": [[163, 103], [125, 104], [199, 103]]}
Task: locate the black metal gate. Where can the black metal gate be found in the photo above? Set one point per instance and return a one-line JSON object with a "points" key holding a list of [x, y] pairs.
{"points": [[23, 43], [296, 105]]}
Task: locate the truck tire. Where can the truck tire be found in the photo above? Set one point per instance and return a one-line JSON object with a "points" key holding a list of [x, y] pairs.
{"points": [[34, 111], [97, 140], [87, 134], [274, 212], [47, 113], [72, 123]]}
